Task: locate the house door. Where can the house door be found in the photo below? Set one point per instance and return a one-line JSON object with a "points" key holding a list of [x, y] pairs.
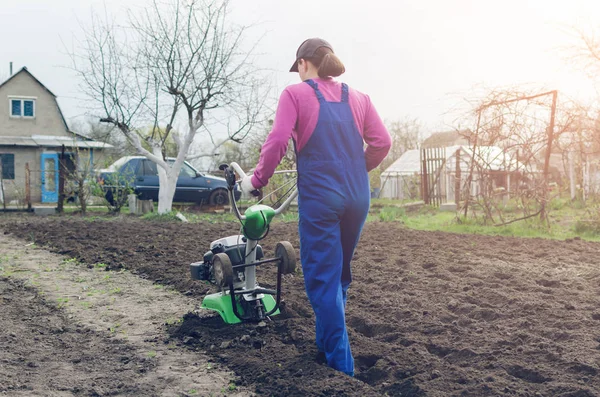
{"points": [[49, 177]]}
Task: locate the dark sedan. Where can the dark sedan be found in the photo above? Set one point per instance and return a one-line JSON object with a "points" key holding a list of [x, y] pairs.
{"points": [[142, 176]]}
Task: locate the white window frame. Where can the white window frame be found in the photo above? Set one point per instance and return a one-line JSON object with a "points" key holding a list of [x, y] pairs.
{"points": [[12, 98]]}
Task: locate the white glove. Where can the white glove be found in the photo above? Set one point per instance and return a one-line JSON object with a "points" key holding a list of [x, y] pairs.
{"points": [[246, 185]]}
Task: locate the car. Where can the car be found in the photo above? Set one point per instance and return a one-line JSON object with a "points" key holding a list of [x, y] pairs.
{"points": [[141, 175]]}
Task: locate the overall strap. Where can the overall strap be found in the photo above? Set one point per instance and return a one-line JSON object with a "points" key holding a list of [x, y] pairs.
{"points": [[315, 87], [344, 92]]}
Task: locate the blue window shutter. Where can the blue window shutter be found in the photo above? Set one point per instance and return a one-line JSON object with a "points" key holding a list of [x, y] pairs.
{"points": [[28, 108], [15, 107], [8, 165]]}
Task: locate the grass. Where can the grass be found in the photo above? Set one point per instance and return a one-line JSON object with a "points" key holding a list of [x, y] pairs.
{"points": [[382, 202], [71, 261], [116, 290], [566, 221], [156, 217], [69, 209], [62, 302], [173, 321]]}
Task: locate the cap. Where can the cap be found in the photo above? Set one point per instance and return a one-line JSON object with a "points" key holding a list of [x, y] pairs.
{"points": [[308, 49]]}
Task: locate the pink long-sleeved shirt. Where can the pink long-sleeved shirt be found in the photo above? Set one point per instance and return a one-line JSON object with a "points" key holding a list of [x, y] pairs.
{"points": [[297, 115]]}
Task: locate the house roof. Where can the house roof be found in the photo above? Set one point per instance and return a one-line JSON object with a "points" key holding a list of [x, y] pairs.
{"points": [[408, 164], [446, 138], [51, 141], [62, 117], [25, 70], [492, 158]]}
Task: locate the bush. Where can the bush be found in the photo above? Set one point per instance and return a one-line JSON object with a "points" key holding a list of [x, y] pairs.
{"points": [[115, 195]]}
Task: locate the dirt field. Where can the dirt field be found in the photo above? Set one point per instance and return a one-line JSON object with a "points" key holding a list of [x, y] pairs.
{"points": [[429, 314]]}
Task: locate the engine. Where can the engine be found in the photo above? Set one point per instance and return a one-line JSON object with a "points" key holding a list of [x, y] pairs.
{"points": [[234, 247]]}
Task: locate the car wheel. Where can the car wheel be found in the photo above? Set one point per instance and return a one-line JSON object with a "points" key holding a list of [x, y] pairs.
{"points": [[219, 197]]}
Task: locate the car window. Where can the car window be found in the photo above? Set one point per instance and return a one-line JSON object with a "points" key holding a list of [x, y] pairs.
{"points": [[128, 170], [188, 171], [149, 168]]}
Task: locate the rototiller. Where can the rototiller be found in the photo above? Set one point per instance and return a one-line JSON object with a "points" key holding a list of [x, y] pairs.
{"points": [[231, 262]]}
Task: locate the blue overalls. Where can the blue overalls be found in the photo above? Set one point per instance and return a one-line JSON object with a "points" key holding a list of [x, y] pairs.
{"points": [[334, 199]]}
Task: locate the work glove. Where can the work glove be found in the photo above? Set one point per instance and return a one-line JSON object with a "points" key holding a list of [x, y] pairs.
{"points": [[247, 187]]}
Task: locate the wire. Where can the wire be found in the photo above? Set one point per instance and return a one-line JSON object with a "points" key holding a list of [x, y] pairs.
{"points": [[253, 248], [278, 202], [291, 181]]}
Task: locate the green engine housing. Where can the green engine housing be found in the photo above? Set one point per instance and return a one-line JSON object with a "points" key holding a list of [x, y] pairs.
{"points": [[258, 218]]}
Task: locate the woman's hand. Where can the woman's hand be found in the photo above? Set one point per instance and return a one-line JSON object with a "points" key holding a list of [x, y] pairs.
{"points": [[247, 187]]}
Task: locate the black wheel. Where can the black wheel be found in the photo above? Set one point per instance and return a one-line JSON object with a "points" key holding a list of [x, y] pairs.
{"points": [[286, 253], [219, 197], [223, 270]]}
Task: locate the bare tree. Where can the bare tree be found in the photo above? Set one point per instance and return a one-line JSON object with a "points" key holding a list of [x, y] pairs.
{"points": [[526, 126], [584, 54], [407, 134], [177, 62], [107, 133]]}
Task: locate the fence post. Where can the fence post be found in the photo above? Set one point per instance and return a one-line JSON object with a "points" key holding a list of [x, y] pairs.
{"points": [[424, 177], [28, 186], [457, 180], [547, 157]]}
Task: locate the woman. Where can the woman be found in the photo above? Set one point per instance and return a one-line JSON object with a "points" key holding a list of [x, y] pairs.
{"points": [[329, 123]]}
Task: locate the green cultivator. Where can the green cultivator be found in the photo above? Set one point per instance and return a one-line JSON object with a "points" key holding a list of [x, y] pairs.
{"points": [[231, 263]]}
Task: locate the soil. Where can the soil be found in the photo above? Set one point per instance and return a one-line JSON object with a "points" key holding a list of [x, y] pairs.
{"points": [[59, 356], [70, 330], [429, 313]]}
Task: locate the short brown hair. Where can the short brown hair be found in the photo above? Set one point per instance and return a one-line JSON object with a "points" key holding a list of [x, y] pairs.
{"points": [[328, 64]]}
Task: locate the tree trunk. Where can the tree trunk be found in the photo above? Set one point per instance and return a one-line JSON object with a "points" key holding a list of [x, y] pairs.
{"points": [[166, 190]]}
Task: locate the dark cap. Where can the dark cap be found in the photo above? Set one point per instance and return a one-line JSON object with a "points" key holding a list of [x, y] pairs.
{"points": [[308, 50]]}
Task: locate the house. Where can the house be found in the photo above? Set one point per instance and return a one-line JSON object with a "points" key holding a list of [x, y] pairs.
{"points": [[33, 134]]}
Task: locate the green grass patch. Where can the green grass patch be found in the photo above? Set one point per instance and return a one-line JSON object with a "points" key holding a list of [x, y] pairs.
{"points": [[166, 217], [564, 223], [69, 209]]}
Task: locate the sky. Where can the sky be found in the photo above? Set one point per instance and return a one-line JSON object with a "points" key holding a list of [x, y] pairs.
{"points": [[417, 59]]}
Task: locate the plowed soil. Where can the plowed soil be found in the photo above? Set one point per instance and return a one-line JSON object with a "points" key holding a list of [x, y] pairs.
{"points": [[429, 314], [59, 358]]}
